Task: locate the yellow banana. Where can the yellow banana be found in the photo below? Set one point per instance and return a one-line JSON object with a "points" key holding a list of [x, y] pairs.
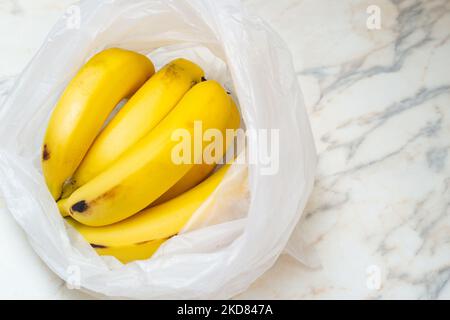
{"points": [[78, 117], [148, 106], [200, 171], [147, 170], [132, 252], [194, 176], [158, 222]]}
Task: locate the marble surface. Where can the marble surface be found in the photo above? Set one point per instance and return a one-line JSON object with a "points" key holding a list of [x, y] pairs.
{"points": [[379, 104]]}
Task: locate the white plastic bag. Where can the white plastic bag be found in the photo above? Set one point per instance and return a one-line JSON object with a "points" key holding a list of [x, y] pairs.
{"points": [[223, 256]]}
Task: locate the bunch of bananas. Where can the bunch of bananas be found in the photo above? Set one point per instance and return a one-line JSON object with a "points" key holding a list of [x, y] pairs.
{"points": [[117, 184]]}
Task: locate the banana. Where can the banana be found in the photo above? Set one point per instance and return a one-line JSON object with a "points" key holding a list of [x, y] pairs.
{"points": [[148, 106], [159, 222], [132, 252], [147, 170], [85, 104]]}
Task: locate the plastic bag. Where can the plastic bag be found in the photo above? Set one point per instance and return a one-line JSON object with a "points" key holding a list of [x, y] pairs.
{"points": [[222, 256]]}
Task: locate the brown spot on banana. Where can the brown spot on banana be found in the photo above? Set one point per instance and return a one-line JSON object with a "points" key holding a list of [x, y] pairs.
{"points": [[45, 153], [98, 246], [108, 194]]}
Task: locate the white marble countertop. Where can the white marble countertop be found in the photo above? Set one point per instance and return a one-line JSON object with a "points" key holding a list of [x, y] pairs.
{"points": [[379, 104]]}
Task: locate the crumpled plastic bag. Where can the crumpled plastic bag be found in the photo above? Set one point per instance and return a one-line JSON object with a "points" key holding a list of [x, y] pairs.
{"points": [[241, 233]]}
